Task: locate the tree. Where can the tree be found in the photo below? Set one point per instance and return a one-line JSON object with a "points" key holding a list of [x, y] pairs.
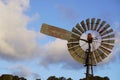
{"points": [[96, 78], [69, 79], [15, 78], [52, 78], [106, 78], [62, 78], [22, 78]]}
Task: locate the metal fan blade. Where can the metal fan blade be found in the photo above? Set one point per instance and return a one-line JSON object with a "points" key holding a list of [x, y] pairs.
{"points": [[76, 31], [88, 23], [101, 54], [105, 50], [77, 49], [107, 45], [101, 25], [97, 56], [97, 23], [108, 36], [73, 40], [55, 32], [107, 32], [108, 41], [80, 52], [77, 56], [73, 45], [104, 29], [75, 36], [83, 25], [93, 59], [92, 23], [79, 28]]}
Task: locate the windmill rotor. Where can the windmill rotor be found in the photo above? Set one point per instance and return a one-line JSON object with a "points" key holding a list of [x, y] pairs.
{"points": [[106, 42]]}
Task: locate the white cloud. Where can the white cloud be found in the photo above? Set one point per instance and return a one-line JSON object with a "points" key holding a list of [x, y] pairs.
{"points": [[56, 52], [117, 32], [16, 41], [117, 40]]}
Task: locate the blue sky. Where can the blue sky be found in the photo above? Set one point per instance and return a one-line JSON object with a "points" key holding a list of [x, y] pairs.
{"points": [[24, 51]]}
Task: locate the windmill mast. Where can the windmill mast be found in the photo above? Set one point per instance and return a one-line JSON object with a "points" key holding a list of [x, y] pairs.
{"points": [[88, 58]]}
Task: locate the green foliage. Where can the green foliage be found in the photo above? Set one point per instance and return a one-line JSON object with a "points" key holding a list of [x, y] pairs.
{"points": [[69, 79], [96, 78], [60, 78], [52, 78], [16, 78], [11, 77]]}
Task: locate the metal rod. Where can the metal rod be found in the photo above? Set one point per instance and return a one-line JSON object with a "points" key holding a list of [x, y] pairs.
{"points": [[88, 64], [91, 66]]}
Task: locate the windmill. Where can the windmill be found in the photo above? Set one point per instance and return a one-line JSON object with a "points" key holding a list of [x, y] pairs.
{"points": [[89, 42]]}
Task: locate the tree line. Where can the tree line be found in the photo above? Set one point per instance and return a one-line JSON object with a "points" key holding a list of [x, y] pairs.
{"points": [[11, 77]]}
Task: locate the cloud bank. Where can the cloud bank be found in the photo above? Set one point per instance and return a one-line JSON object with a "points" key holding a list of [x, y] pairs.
{"points": [[16, 41]]}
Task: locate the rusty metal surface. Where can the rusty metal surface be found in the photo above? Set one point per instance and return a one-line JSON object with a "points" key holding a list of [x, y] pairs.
{"points": [[101, 25], [75, 36], [73, 46], [55, 32], [101, 53], [97, 23], [79, 28], [104, 28], [93, 59], [108, 36], [88, 24], [107, 45], [76, 31], [83, 25], [107, 32], [92, 23], [76, 51], [78, 54], [108, 41], [97, 56], [105, 50]]}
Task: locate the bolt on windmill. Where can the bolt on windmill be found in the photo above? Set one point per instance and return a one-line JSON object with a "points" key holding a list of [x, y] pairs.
{"points": [[89, 42]]}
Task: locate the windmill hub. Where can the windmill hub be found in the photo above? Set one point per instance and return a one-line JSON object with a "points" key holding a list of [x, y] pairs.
{"points": [[89, 38], [93, 37]]}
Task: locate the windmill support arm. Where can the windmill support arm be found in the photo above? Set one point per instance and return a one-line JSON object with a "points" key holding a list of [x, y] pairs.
{"points": [[84, 40]]}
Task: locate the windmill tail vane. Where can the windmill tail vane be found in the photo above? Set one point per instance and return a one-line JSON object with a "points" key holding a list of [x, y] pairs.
{"points": [[94, 53], [55, 32]]}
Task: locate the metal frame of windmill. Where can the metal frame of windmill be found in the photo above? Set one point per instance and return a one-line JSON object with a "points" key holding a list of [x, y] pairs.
{"points": [[91, 55]]}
